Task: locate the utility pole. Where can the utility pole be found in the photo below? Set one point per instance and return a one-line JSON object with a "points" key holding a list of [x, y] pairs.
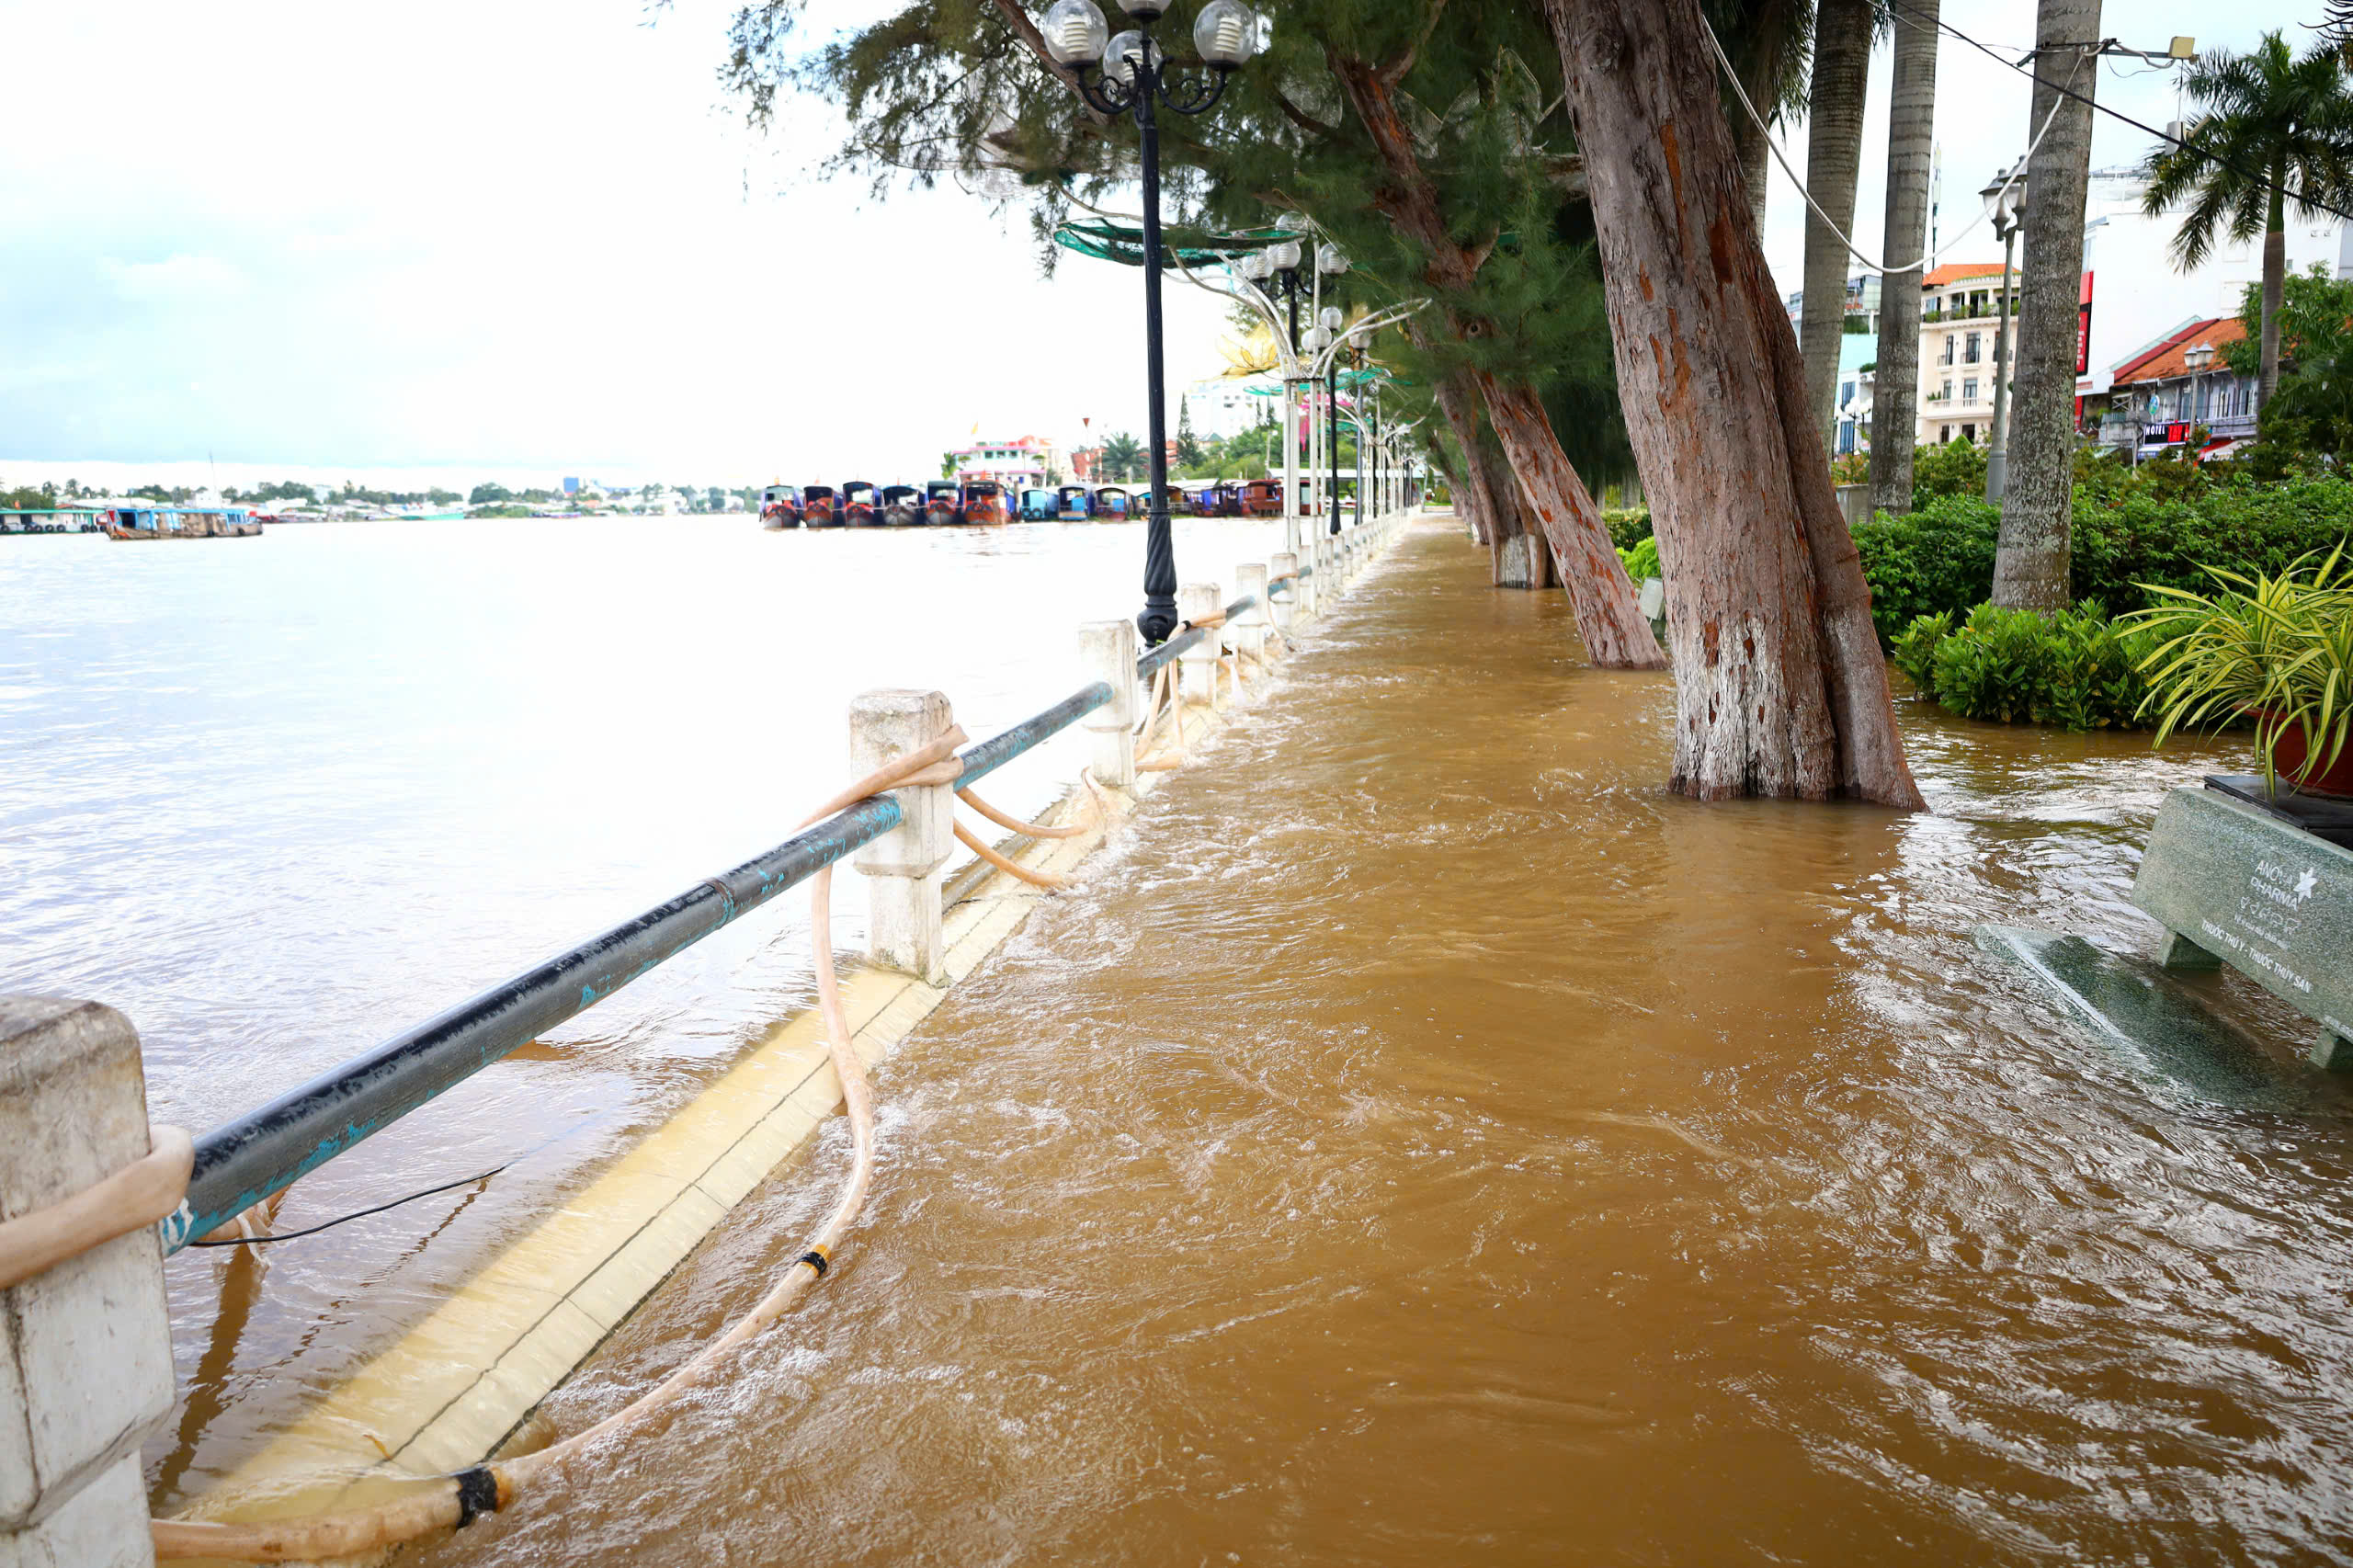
{"points": [[2032, 558]]}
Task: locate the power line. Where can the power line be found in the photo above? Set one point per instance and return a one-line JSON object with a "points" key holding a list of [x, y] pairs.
{"points": [[2263, 181], [2016, 173]]}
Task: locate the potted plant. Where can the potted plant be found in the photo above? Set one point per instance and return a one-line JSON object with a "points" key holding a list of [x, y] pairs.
{"points": [[2275, 650]]}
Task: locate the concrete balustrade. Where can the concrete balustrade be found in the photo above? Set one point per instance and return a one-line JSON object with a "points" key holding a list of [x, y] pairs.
{"points": [[902, 868], [1107, 651], [86, 1348]]}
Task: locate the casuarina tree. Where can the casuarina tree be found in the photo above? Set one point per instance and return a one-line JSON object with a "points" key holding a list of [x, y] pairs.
{"points": [[1781, 687], [2276, 133]]}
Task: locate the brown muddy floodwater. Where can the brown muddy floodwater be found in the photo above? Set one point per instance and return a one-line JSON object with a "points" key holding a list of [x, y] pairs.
{"points": [[1425, 1141]]}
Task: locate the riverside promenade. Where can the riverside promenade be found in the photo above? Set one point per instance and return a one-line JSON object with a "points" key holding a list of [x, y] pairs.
{"points": [[1420, 1137], [1415, 1134]]}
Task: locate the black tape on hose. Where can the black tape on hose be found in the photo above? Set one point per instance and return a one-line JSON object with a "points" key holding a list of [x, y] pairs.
{"points": [[815, 1260], [477, 1494]]}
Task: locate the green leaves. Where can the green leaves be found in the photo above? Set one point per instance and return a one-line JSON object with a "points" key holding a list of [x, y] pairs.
{"points": [[2074, 669], [2278, 648], [2269, 116]]}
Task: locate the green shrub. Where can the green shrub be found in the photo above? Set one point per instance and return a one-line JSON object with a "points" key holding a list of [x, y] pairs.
{"points": [[1938, 558], [2133, 532], [1947, 467], [1641, 561], [2128, 538], [2075, 669], [1916, 649], [1628, 526]]}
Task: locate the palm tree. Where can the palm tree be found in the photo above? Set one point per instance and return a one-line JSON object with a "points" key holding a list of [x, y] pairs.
{"points": [[1770, 43], [1911, 139], [1123, 455], [1842, 59], [2277, 130]]}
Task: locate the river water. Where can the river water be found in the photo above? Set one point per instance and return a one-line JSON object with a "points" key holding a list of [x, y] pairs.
{"points": [[278, 798], [1422, 1139]]}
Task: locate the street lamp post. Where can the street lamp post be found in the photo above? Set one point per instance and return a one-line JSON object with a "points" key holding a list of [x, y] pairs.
{"points": [[2003, 198], [1134, 79], [1281, 261]]}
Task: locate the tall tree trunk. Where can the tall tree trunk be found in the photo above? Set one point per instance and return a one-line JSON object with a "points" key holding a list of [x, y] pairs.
{"points": [[1616, 634], [2032, 558], [1834, 152], [1911, 140], [1755, 162], [1609, 616], [1489, 490], [1780, 688], [2275, 285]]}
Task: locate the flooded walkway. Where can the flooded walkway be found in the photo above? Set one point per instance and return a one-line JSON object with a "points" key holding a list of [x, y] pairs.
{"points": [[1424, 1140]]}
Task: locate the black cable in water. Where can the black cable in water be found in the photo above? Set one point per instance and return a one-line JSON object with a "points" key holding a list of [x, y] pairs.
{"points": [[347, 1219]]}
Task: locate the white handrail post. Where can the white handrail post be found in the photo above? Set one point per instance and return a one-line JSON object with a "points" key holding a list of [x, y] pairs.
{"points": [[1284, 568], [1249, 628], [1197, 666], [1106, 650], [905, 867], [86, 1348]]}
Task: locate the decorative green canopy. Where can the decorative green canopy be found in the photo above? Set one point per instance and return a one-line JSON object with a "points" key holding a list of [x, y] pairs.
{"points": [[1123, 243], [1348, 378]]}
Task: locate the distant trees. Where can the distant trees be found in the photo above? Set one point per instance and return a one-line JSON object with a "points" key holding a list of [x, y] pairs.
{"points": [[25, 498], [1189, 446], [2310, 414], [489, 496]]}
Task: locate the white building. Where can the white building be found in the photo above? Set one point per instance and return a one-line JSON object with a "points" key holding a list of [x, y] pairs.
{"points": [[1223, 407], [1959, 321]]}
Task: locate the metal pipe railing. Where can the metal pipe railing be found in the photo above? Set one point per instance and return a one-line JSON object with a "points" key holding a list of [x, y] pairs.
{"points": [[984, 758], [266, 1151], [1149, 664]]}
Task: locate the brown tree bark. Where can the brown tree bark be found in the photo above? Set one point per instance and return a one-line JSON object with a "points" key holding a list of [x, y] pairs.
{"points": [[1780, 688], [1479, 491], [1601, 596]]}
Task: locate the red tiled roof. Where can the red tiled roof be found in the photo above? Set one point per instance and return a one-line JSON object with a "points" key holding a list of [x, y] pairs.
{"points": [[2165, 361], [1953, 271]]}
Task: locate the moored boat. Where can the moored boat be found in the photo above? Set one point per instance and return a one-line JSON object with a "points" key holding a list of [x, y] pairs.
{"points": [[780, 507], [178, 522], [985, 503]]}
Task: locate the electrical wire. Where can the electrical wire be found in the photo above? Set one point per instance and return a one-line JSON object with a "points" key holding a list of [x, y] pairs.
{"points": [[346, 1220], [2016, 174], [2263, 181]]}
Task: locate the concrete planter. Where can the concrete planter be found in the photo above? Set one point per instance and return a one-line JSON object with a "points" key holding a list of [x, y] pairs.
{"points": [[2234, 884]]}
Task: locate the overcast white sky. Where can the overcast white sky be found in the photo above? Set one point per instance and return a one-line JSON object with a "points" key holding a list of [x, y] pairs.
{"points": [[522, 238]]}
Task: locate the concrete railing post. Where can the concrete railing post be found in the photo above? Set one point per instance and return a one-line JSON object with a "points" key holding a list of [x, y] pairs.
{"points": [[86, 1348], [1249, 628], [1197, 666], [902, 868], [1107, 651], [1284, 568]]}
